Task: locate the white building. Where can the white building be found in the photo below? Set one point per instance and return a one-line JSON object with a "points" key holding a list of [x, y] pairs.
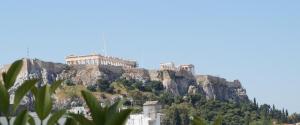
{"points": [[150, 115], [78, 110]]}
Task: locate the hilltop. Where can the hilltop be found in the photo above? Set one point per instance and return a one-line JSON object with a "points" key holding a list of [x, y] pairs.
{"points": [[179, 83], [181, 93]]}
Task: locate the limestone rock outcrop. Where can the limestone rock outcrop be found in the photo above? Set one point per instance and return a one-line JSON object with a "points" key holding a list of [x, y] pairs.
{"points": [[176, 82], [219, 88]]}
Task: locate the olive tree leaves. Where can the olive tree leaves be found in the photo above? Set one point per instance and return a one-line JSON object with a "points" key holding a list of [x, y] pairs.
{"points": [[9, 79], [43, 102], [102, 115], [10, 76], [111, 115]]}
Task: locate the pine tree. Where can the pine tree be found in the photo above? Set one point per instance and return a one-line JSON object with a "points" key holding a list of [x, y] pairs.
{"points": [[177, 117], [255, 104]]}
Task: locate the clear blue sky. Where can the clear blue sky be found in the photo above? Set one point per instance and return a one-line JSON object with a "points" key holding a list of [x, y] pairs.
{"points": [[255, 41]]}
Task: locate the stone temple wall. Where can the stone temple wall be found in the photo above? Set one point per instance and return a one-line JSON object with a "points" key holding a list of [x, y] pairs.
{"points": [[100, 60]]}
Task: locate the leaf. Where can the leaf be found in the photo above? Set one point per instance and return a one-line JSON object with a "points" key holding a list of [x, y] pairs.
{"points": [[81, 119], [218, 120], [55, 117], [43, 103], [119, 118], [92, 103], [4, 97], [112, 110], [34, 91], [55, 85], [198, 121], [10, 76], [31, 120], [22, 118], [22, 91], [71, 121]]}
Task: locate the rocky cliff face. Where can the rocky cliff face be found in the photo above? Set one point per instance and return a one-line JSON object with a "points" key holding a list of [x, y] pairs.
{"points": [[219, 88], [178, 83]]}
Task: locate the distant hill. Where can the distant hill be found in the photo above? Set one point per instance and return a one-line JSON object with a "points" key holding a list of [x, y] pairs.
{"points": [[175, 82], [181, 93]]}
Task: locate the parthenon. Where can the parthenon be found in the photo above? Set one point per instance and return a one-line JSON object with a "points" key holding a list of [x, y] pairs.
{"points": [[97, 59]]}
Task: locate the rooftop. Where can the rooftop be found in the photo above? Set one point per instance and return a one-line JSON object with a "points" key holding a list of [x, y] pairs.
{"points": [[151, 103]]}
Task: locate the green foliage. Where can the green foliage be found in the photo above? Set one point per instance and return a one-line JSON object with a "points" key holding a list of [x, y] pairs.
{"points": [[68, 82], [102, 115], [198, 121], [22, 118], [233, 113], [103, 85], [92, 88], [55, 117], [150, 86], [43, 103], [71, 121], [197, 99], [22, 91], [4, 96], [55, 85], [166, 98], [156, 85], [218, 120], [9, 79], [178, 114], [10, 76]]}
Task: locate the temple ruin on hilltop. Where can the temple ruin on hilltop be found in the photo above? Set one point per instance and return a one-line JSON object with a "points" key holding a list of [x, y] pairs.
{"points": [[184, 67], [97, 59]]}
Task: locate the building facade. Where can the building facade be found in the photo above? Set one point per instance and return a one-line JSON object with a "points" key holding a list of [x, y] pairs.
{"points": [[150, 116], [184, 67], [187, 67], [97, 59], [167, 66]]}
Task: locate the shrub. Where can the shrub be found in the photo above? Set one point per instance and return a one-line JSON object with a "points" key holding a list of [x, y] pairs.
{"points": [[69, 82], [92, 88]]}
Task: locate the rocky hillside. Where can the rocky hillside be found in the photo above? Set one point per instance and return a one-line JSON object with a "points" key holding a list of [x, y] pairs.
{"points": [[178, 83]]}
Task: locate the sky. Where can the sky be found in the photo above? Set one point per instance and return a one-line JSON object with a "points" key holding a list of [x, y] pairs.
{"points": [[254, 41]]}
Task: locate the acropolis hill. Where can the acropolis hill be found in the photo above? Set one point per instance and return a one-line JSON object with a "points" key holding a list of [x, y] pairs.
{"points": [[179, 80]]}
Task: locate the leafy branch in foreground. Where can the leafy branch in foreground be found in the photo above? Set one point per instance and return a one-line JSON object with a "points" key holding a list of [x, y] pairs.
{"points": [[9, 79], [111, 115], [43, 103]]}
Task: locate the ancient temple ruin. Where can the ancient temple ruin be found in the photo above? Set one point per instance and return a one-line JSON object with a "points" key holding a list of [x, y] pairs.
{"points": [[171, 66], [97, 59]]}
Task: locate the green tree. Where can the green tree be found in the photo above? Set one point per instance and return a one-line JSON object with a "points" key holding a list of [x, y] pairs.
{"points": [[200, 121]]}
